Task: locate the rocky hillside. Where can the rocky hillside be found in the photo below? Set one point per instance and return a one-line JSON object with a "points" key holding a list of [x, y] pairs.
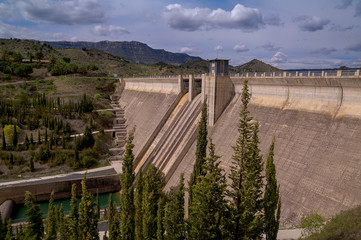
{"points": [[133, 51], [254, 66]]}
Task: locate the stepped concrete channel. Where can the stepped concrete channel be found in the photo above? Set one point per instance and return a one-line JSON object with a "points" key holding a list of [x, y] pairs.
{"points": [[315, 117]]}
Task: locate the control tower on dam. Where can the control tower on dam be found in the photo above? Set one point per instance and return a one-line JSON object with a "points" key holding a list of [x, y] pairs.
{"points": [[315, 117]]}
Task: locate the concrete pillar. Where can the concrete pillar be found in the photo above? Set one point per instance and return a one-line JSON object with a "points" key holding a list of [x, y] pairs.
{"points": [[191, 88], [6, 208], [284, 74], [358, 72], [204, 82], [309, 74], [180, 84], [296, 73], [322, 73]]}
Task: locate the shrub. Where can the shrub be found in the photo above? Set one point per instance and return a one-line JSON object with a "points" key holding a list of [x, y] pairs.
{"points": [[97, 96], [311, 223]]}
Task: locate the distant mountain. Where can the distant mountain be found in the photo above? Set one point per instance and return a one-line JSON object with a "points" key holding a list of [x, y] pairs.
{"points": [[133, 51], [255, 66]]}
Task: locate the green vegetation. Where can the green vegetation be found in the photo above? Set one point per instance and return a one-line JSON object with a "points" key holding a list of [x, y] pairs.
{"points": [[345, 225]]}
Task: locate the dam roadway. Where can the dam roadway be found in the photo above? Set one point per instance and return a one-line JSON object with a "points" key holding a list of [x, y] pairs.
{"points": [[315, 117]]}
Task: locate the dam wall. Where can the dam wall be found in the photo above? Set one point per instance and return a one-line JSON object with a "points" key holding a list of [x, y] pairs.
{"points": [[147, 104], [317, 124]]}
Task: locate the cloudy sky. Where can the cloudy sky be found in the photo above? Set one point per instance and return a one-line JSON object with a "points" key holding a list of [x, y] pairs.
{"points": [[285, 33]]}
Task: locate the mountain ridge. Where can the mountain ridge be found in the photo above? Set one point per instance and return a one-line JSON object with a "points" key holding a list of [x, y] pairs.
{"points": [[133, 51]]}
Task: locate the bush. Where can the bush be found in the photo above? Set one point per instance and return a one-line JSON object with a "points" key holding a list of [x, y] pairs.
{"points": [[311, 223], [97, 96]]}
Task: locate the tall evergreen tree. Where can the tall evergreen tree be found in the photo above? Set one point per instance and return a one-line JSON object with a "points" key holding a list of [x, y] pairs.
{"points": [[88, 222], [160, 217], [34, 227], [97, 206], [113, 220], [138, 198], [272, 201], [15, 138], [50, 227], [9, 231], [127, 209], [3, 146], [31, 139], [62, 226], [153, 184], [174, 223], [245, 176], [73, 216], [208, 212], [201, 151]]}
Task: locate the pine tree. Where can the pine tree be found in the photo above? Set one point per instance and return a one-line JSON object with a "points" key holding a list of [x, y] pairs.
{"points": [[160, 217], [73, 216], [127, 209], [15, 138], [244, 176], [88, 222], [97, 206], [9, 231], [153, 184], [26, 141], [34, 227], [113, 220], [208, 213], [31, 139], [138, 206], [50, 227], [201, 152], [3, 146], [39, 137], [174, 223], [31, 164], [62, 226], [272, 201], [46, 135]]}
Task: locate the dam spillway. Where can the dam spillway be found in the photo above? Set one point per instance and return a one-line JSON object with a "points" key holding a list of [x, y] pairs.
{"points": [[317, 124]]}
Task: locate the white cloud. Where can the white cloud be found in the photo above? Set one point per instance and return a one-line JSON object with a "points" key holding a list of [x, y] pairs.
{"points": [[358, 10], [192, 19], [311, 24], [186, 50], [6, 11], [100, 30], [270, 47], [279, 57], [240, 48], [69, 12], [218, 48], [10, 31]]}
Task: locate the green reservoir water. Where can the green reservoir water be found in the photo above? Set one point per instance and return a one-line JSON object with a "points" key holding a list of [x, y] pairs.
{"points": [[18, 214]]}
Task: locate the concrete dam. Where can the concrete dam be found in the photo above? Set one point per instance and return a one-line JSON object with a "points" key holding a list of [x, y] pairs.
{"points": [[315, 117]]}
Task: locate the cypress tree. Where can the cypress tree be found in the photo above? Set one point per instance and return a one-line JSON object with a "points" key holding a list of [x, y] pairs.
{"points": [[73, 216], [174, 223], [241, 157], [160, 217], [3, 146], [127, 209], [15, 138], [97, 206], [31, 164], [50, 227], [62, 226], [153, 184], [9, 231], [208, 212], [34, 227], [113, 220], [138, 206], [201, 151], [39, 137], [88, 222], [46, 135], [272, 201], [31, 139], [26, 141]]}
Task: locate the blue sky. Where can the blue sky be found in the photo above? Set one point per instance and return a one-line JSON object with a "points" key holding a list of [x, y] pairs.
{"points": [[285, 33]]}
